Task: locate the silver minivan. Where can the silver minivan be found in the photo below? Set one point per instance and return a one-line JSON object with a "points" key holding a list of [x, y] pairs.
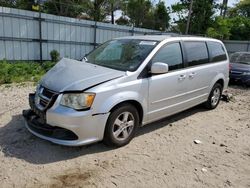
{"points": [[126, 83]]}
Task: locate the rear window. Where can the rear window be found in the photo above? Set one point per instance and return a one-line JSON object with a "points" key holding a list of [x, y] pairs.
{"points": [[216, 52], [197, 53]]}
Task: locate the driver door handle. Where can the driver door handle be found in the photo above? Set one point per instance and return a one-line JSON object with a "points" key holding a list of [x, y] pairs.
{"points": [[182, 77]]}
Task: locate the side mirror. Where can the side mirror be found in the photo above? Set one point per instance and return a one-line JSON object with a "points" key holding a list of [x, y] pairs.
{"points": [[159, 68]]}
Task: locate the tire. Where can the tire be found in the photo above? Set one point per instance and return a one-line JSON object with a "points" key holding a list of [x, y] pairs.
{"points": [[214, 97], [121, 125]]}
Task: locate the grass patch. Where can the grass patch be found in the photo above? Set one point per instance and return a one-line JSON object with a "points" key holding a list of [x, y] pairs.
{"points": [[20, 71]]}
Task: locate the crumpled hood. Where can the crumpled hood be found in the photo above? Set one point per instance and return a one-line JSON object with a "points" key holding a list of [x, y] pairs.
{"points": [[72, 75]]}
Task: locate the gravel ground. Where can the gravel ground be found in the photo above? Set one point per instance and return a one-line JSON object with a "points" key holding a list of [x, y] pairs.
{"points": [[163, 154]]}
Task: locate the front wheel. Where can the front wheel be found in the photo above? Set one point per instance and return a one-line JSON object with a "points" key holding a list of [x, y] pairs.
{"points": [[121, 126], [214, 96]]}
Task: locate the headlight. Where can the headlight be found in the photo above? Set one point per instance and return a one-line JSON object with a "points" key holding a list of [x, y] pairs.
{"points": [[246, 73], [78, 101]]}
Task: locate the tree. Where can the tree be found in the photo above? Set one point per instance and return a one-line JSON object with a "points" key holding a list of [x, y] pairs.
{"points": [[100, 9], [143, 13], [70, 8], [240, 28], [137, 11], [221, 29], [201, 17], [244, 8], [161, 16], [7, 3], [21, 4], [239, 17], [235, 26], [241, 9], [97, 10]]}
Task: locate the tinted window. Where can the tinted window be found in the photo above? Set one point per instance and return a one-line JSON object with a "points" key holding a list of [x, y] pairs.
{"points": [[196, 53], [216, 51], [171, 55]]}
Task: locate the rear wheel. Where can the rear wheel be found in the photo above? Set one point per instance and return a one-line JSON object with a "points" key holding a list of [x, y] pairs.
{"points": [[214, 96], [121, 125]]}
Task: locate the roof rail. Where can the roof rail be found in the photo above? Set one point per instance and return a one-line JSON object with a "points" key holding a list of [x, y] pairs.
{"points": [[162, 33], [173, 34]]}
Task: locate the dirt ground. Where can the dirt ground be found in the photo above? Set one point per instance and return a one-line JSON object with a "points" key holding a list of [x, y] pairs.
{"points": [[163, 154]]}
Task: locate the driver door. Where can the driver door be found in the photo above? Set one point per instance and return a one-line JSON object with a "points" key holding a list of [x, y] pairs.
{"points": [[167, 91]]}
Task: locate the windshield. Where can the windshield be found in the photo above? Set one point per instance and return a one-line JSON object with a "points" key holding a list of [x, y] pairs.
{"points": [[121, 54], [243, 58]]}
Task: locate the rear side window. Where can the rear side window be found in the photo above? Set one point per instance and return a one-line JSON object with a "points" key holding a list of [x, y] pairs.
{"points": [[197, 53], [216, 52], [170, 54]]}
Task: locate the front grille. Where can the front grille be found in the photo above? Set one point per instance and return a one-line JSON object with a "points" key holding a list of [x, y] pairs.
{"points": [[44, 98], [48, 93], [43, 103]]}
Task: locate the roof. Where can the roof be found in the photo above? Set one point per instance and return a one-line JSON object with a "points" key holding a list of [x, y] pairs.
{"points": [[147, 37]]}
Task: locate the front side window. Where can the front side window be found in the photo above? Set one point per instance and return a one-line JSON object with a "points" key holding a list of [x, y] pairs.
{"points": [[170, 54], [216, 51], [196, 53], [121, 54]]}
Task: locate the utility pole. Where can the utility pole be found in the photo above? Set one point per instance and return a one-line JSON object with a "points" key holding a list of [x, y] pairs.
{"points": [[189, 16], [225, 8], [112, 13], [37, 7], [40, 32]]}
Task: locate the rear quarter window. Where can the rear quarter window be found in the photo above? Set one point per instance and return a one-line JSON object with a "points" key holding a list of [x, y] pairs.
{"points": [[196, 53], [216, 51]]}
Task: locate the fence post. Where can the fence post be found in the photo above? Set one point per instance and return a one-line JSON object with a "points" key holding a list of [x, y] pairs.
{"points": [[40, 35], [95, 28], [132, 30], [248, 46]]}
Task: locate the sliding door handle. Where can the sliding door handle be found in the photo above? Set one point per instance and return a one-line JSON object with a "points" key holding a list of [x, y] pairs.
{"points": [[192, 75]]}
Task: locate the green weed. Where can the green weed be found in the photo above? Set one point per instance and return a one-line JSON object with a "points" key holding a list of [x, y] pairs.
{"points": [[19, 71]]}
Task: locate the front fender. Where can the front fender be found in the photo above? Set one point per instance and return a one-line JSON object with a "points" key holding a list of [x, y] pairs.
{"points": [[120, 97]]}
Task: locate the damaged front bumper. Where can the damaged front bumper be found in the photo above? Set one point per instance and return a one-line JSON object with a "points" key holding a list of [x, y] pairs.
{"points": [[65, 126]]}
